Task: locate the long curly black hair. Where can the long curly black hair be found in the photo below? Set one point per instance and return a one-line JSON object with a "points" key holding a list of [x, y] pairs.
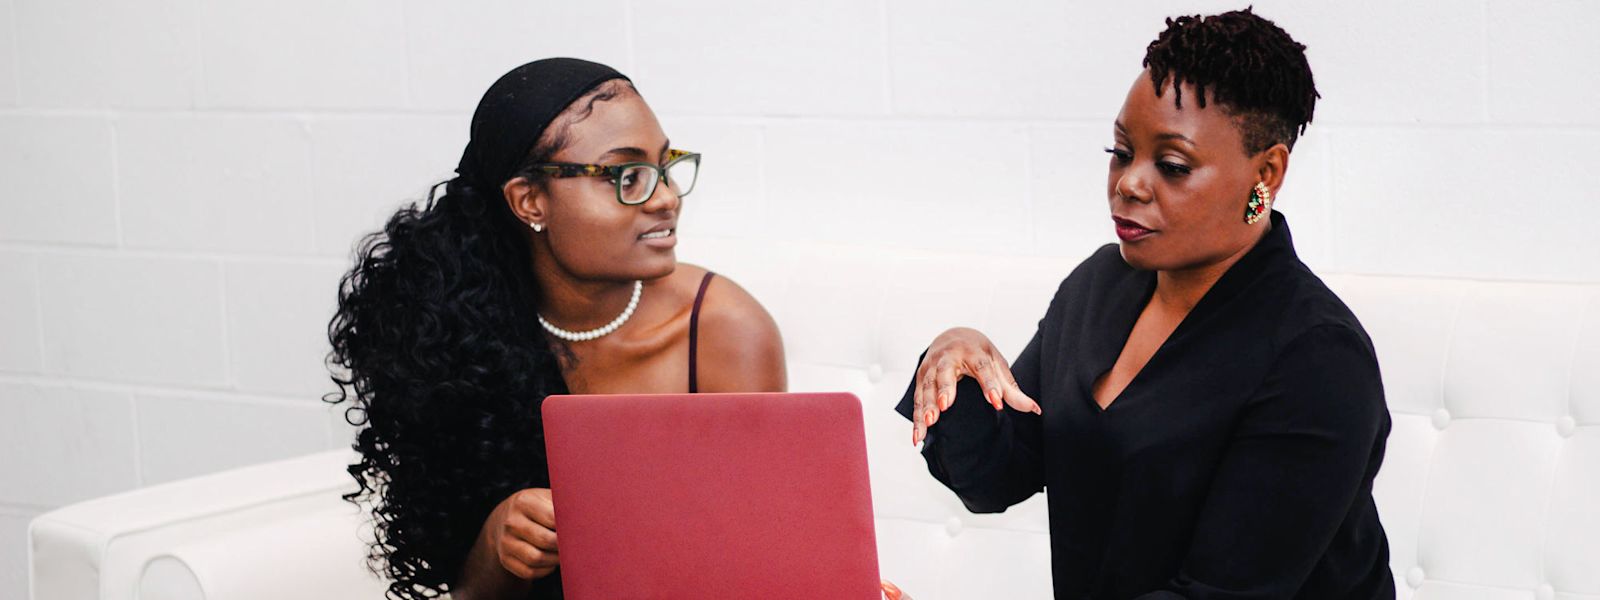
{"points": [[1247, 64], [444, 367]]}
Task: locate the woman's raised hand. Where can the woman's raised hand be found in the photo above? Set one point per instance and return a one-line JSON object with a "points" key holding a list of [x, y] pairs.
{"points": [[957, 353]]}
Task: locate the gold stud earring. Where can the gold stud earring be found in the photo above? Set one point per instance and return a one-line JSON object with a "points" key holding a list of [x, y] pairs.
{"points": [[1260, 201]]}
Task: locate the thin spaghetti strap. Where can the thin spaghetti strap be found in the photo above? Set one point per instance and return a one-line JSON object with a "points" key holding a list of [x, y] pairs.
{"points": [[694, 334]]}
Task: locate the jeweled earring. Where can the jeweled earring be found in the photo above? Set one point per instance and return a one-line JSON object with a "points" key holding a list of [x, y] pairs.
{"points": [[537, 227], [1260, 201]]}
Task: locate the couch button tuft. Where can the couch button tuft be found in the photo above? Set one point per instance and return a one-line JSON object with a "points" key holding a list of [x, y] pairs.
{"points": [[1415, 577], [1566, 426], [953, 526]]}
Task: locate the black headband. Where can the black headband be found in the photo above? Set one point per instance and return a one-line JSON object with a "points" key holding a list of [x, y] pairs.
{"points": [[515, 111]]}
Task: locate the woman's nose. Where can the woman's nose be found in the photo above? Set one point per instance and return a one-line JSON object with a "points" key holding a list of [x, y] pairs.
{"points": [[1130, 187], [663, 198]]}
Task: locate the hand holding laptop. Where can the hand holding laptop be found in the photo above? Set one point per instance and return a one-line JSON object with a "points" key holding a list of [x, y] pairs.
{"points": [[521, 531]]}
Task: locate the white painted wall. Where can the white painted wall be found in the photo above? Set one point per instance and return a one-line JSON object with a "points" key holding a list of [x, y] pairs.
{"points": [[183, 179]]}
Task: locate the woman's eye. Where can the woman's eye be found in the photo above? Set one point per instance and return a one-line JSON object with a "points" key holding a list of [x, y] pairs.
{"points": [[1172, 168], [628, 179], [1121, 156]]}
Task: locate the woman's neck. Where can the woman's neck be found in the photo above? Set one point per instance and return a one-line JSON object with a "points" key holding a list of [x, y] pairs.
{"points": [[576, 304], [1181, 289]]}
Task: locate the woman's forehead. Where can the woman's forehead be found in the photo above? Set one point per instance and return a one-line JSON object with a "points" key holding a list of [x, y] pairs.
{"points": [[621, 122], [1145, 114]]}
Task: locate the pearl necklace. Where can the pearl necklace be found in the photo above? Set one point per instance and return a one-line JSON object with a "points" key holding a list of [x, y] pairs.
{"points": [[580, 336]]}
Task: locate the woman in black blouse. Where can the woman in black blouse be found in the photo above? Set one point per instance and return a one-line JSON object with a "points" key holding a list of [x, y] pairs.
{"points": [[1207, 416]]}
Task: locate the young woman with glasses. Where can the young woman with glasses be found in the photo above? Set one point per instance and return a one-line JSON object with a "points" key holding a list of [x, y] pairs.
{"points": [[546, 267]]}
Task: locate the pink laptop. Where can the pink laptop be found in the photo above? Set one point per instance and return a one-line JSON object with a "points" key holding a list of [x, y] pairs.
{"points": [[712, 495]]}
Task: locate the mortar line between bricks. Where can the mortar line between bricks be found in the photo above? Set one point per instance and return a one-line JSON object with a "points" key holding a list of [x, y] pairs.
{"points": [[132, 389], [854, 119], [87, 251], [138, 441]]}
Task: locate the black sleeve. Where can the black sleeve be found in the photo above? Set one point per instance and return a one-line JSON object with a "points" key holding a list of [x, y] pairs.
{"points": [[989, 458], [1297, 461]]}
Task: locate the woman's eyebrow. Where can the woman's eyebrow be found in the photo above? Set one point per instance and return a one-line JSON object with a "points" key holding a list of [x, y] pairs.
{"points": [[625, 152], [1163, 136], [1172, 135], [634, 152]]}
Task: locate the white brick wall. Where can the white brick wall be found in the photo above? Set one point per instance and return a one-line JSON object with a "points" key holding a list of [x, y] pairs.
{"points": [[54, 157], [183, 179]]}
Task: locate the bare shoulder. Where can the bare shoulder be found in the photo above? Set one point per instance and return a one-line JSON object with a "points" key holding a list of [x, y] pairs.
{"points": [[741, 349]]}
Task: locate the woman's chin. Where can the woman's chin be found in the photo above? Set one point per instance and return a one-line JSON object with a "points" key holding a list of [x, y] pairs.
{"points": [[1137, 256], [659, 266]]}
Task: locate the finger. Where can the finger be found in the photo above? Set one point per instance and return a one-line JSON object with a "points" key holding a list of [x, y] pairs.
{"points": [[546, 560], [919, 416], [999, 378], [919, 411], [988, 375], [890, 592], [930, 406], [536, 504], [958, 369], [1015, 398], [525, 530], [514, 564], [518, 570], [916, 394], [944, 380], [530, 557], [544, 539]]}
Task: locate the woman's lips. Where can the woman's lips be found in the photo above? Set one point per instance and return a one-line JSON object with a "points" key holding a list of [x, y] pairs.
{"points": [[664, 238], [1131, 231]]}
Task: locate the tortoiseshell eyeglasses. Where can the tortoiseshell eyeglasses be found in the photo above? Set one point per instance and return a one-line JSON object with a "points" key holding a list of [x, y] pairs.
{"points": [[636, 181]]}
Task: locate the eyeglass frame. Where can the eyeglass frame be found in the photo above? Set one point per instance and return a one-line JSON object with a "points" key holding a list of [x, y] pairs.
{"points": [[561, 170]]}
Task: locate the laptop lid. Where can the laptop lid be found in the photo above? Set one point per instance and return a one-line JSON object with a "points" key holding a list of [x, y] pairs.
{"points": [[711, 495]]}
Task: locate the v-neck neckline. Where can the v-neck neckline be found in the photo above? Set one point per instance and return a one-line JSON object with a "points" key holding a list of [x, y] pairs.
{"points": [[1228, 285], [1115, 346]]}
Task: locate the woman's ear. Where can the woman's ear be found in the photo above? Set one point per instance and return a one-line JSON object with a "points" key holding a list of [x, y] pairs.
{"points": [[1271, 165], [526, 199]]}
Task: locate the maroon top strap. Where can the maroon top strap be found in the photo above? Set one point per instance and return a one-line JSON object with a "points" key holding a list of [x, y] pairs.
{"points": [[694, 333]]}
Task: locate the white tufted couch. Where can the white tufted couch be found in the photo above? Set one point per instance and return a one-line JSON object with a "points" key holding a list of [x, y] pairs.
{"points": [[1491, 487]]}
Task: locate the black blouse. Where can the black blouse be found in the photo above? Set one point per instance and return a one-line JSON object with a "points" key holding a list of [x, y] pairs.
{"points": [[1237, 464]]}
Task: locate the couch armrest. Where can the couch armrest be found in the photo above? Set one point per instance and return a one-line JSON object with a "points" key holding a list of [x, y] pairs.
{"points": [[262, 531]]}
